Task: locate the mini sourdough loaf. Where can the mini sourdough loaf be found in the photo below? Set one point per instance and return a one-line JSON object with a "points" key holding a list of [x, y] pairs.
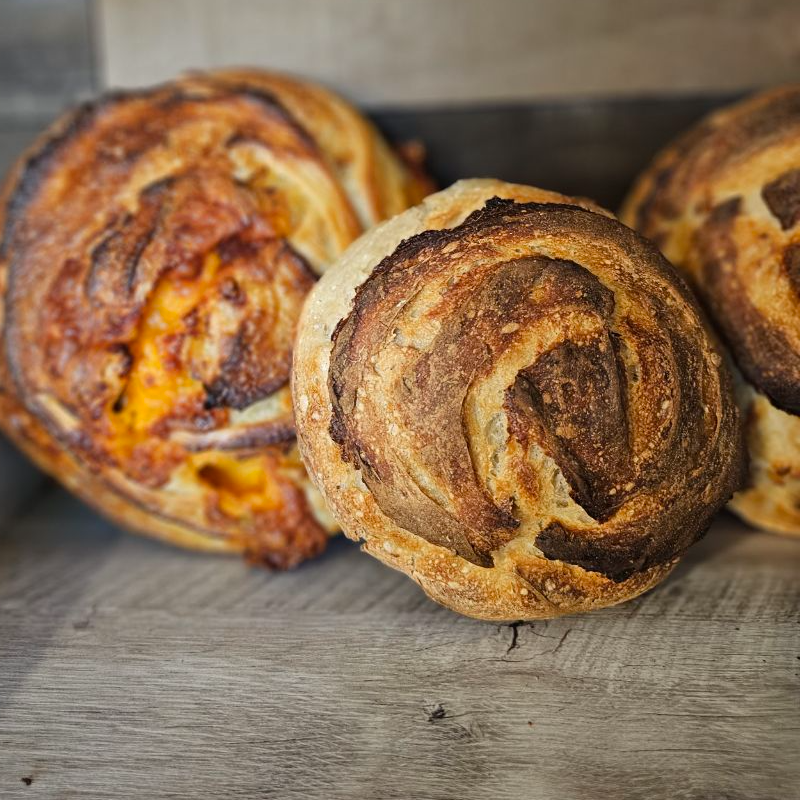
{"points": [[157, 248], [723, 203], [511, 397]]}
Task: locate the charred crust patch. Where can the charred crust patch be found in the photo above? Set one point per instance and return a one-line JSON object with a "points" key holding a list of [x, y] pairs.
{"points": [[575, 398], [275, 432], [723, 213], [269, 102], [39, 163], [240, 381], [611, 556], [115, 259], [782, 197]]}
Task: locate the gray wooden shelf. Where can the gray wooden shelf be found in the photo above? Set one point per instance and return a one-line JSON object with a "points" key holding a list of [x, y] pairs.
{"points": [[132, 669]]}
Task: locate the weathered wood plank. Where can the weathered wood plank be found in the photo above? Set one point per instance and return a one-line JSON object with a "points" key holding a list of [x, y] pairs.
{"points": [[19, 480], [130, 669], [594, 149], [388, 53], [46, 56]]}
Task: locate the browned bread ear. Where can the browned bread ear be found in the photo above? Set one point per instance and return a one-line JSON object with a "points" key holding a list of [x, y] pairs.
{"points": [[158, 246], [509, 395], [723, 203]]}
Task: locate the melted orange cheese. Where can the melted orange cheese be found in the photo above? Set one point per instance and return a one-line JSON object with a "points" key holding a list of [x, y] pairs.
{"points": [[242, 485], [154, 391]]}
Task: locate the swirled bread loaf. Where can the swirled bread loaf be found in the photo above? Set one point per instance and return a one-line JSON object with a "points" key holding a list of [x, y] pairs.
{"points": [[723, 203], [512, 397], [157, 248]]}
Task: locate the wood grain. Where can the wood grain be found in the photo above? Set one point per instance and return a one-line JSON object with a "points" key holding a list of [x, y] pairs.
{"points": [[133, 670], [449, 51], [46, 63]]}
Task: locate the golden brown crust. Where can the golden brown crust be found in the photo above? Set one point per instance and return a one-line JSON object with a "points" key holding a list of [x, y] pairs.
{"points": [[379, 183], [723, 203], [512, 397], [772, 498], [158, 246]]}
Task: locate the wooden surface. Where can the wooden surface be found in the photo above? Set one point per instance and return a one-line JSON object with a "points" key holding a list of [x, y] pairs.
{"points": [[384, 52], [130, 669]]}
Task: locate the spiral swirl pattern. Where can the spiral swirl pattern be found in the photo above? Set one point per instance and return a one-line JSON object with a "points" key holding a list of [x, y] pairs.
{"points": [[158, 247], [723, 203], [528, 397]]}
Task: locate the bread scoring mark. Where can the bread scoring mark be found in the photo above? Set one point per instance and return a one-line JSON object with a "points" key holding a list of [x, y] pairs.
{"points": [[614, 400], [115, 259], [617, 557], [573, 403]]}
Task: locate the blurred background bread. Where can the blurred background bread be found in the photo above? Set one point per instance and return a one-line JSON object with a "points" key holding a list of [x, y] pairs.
{"points": [[723, 203], [158, 245]]}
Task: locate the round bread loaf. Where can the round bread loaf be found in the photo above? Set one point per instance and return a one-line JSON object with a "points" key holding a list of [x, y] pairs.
{"points": [[723, 204], [512, 397], [157, 248]]}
